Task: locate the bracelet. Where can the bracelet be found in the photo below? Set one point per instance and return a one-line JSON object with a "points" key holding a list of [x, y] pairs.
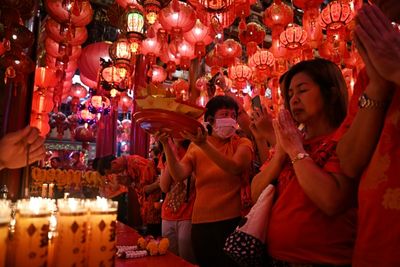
{"points": [[300, 156]]}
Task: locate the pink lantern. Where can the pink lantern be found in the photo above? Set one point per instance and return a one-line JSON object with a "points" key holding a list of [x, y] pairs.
{"points": [[158, 74], [79, 12], [41, 122], [262, 60], [277, 16], [184, 51], [240, 73], [66, 33], [177, 18], [151, 49], [45, 77], [89, 62], [125, 102], [42, 102], [199, 36], [77, 90], [293, 37], [56, 49], [336, 15]]}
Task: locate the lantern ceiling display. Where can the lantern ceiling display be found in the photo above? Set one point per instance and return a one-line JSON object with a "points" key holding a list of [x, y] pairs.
{"points": [[133, 26], [293, 37], [120, 53], [336, 15], [152, 8]]}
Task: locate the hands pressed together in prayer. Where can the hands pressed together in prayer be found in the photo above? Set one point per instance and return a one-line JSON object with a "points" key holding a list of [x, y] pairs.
{"points": [[289, 139], [381, 57]]}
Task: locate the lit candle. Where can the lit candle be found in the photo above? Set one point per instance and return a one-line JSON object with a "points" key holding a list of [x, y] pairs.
{"points": [[31, 231], [102, 226], [51, 190], [70, 243], [5, 217], [44, 190]]}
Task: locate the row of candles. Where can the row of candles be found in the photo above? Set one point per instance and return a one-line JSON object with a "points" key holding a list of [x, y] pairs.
{"points": [[70, 232]]}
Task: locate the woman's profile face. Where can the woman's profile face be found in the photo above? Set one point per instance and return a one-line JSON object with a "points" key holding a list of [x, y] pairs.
{"points": [[305, 99]]}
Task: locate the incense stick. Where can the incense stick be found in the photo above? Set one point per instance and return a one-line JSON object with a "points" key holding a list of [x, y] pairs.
{"points": [[26, 174]]}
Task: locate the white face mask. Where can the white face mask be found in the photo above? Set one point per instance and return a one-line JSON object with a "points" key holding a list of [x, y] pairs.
{"points": [[225, 127]]}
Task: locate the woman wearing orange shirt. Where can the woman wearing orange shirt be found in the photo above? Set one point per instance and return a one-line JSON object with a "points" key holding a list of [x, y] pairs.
{"points": [[217, 160]]}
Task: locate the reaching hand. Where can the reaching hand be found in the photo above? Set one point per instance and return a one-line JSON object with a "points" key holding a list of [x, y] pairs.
{"points": [[199, 139], [163, 137], [287, 134], [384, 54], [14, 148]]}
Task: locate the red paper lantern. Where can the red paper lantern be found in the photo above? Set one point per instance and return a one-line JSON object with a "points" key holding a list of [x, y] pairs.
{"points": [[158, 74], [57, 63], [77, 90], [125, 102], [181, 88], [229, 49], [199, 36], [277, 16], [126, 3], [151, 49], [306, 4], [45, 77], [312, 26], [89, 62], [56, 49], [222, 18], [293, 37], [177, 18], [66, 33], [152, 8], [185, 52], [78, 12], [42, 102], [336, 15], [240, 73], [252, 33], [213, 5], [41, 122], [262, 60], [84, 134]]}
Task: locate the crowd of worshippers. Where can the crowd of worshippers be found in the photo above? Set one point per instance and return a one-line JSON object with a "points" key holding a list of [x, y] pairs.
{"points": [[334, 161]]}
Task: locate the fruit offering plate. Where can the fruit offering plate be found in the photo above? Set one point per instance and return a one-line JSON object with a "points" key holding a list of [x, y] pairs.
{"points": [[173, 123], [170, 104]]}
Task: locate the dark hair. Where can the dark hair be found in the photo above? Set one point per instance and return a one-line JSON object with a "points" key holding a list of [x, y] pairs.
{"points": [[184, 143], [104, 164], [329, 78], [216, 103]]}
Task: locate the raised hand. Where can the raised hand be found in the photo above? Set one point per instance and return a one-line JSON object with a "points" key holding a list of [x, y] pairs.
{"points": [[14, 148], [199, 139], [380, 42], [261, 123]]}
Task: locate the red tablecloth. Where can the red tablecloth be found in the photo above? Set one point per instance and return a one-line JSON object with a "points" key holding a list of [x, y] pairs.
{"points": [[127, 236]]}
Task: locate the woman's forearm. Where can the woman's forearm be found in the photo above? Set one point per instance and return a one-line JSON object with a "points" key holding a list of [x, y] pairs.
{"points": [[266, 176], [356, 146]]}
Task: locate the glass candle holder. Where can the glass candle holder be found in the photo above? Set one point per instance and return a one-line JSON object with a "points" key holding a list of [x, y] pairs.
{"points": [[31, 231], [102, 227], [70, 243], [5, 217]]}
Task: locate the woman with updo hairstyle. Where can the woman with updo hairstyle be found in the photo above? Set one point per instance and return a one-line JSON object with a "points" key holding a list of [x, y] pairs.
{"points": [[313, 219]]}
